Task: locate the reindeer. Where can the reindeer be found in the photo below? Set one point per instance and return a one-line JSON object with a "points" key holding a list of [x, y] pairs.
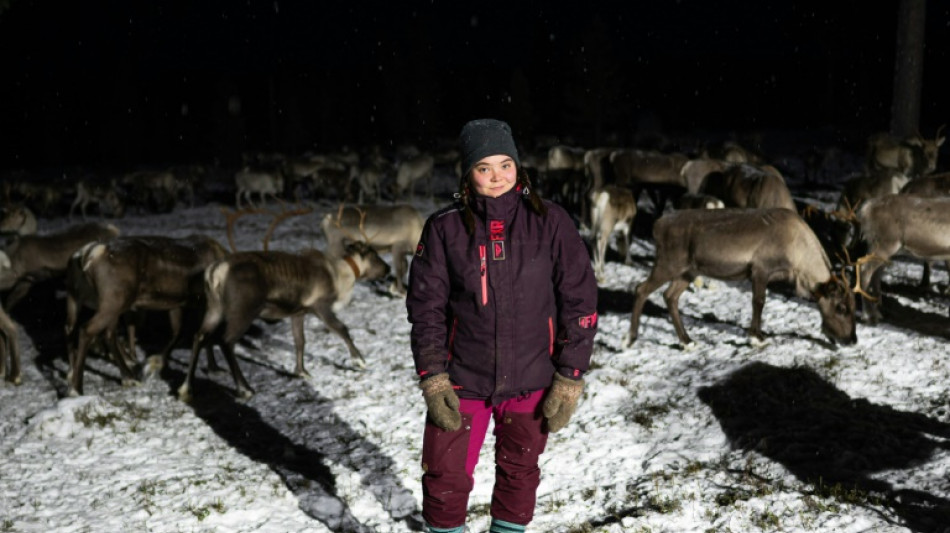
{"points": [[35, 258], [762, 245], [695, 171], [44, 199], [18, 220], [745, 185], [565, 180], [276, 285], [104, 195], [136, 273], [612, 209], [393, 228], [861, 187], [263, 182], [9, 343], [660, 175], [932, 186], [411, 170], [915, 225], [158, 191], [914, 155]]}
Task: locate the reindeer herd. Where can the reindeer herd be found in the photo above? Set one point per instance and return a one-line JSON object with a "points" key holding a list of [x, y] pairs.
{"points": [[722, 213]]}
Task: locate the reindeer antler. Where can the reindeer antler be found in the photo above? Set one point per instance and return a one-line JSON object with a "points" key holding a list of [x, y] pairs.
{"points": [[362, 225], [857, 275], [280, 217], [232, 216], [937, 135]]}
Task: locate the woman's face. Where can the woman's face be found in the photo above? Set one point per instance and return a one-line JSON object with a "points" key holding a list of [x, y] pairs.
{"points": [[494, 175]]}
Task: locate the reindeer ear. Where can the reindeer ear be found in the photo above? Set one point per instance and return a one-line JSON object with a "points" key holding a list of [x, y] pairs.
{"points": [[4, 260]]}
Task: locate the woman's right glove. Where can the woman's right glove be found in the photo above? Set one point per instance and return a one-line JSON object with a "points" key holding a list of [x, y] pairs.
{"points": [[442, 402]]}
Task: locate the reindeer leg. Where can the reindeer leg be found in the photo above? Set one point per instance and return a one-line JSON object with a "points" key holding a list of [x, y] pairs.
{"points": [[19, 290], [925, 279], [402, 267], [759, 283], [643, 290], [184, 391], [243, 389], [128, 377], [10, 341], [323, 310], [174, 321], [672, 298], [296, 324]]}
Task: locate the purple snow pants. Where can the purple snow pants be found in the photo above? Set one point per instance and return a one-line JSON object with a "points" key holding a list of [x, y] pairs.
{"points": [[449, 459]]}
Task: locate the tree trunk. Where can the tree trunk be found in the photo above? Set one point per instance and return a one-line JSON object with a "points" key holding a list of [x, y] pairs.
{"points": [[908, 68]]}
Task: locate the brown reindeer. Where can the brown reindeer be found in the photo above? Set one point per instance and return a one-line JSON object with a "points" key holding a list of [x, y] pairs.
{"points": [[746, 185], [762, 245], [899, 223], [660, 175], [138, 273], [932, 186], [913, 155], [35, 258], [277, 285], [612, 209], [392, 228], [18, 220]]}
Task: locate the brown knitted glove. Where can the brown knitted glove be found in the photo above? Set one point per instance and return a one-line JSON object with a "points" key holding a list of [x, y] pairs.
{"points": [[561, 401], [442, 402]]}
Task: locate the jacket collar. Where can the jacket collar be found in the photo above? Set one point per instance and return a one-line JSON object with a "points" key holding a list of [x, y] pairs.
{"points": [[500, 208]]}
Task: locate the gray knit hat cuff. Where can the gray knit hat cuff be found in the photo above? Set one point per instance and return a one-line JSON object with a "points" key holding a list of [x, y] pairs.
{"points": [[484, 137]]}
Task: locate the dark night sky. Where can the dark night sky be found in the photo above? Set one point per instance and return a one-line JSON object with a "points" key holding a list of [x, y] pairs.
{"points": [[119, 83]]}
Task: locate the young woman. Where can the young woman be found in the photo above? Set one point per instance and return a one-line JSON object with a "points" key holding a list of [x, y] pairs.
{"points": [[503, 305]]}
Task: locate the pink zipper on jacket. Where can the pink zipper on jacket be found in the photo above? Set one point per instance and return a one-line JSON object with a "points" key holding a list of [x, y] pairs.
{"points": [[483, 270]]}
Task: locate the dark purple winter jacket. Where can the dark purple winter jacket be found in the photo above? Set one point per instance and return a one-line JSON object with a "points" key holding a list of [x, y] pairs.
{"points": [[504, 309]]}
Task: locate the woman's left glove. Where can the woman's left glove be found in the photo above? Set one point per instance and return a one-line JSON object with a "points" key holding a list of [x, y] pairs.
{"points": [[442, 402], [561, 401]]}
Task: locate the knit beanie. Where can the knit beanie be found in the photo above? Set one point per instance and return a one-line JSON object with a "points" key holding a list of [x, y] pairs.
{"points": [[484, 137]]}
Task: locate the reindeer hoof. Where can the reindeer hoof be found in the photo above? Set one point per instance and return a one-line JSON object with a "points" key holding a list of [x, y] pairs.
{"points": [[130, 382], [758, 342], [245, 394], [153, 366], [184, 394], [73, 393], [689, 346], [628, 340], [17, 380]]}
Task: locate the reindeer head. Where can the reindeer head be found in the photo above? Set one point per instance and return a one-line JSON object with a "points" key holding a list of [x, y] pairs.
{"points": [[369, 265], [836, 305]]}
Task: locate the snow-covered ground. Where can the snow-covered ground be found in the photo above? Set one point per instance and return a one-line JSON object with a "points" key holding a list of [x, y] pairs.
{"points": [[793, 436]]}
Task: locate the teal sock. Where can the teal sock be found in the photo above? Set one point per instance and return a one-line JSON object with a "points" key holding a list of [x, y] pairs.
{"points": [[431, 529], [500, 526]]}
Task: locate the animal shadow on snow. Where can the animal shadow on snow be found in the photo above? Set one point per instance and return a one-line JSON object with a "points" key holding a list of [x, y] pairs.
{"points": [[291, 428], [909, 318], [826, 438]]}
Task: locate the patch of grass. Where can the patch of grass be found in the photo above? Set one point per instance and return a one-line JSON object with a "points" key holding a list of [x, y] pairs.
{"points": [[842, 494], [89, 417], [200, 513], [766, 520], [645, 415], [6, 525]]}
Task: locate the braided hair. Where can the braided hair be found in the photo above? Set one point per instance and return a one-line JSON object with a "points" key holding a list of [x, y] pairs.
{"points": [[523, 184]]}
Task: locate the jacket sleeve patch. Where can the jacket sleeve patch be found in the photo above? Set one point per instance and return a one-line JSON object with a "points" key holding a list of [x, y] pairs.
{"points": [[588, 322], [420, 249]]}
